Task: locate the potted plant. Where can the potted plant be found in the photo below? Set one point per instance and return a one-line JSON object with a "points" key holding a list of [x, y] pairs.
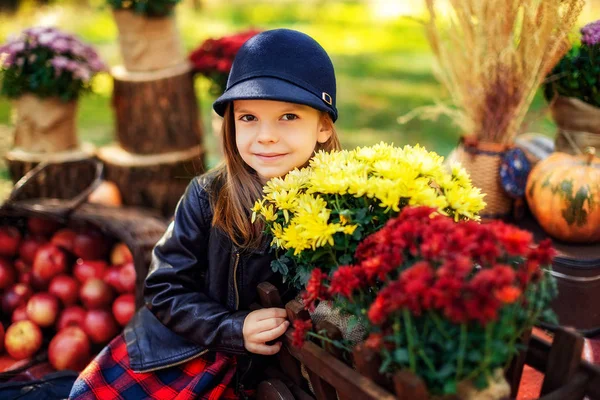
{"points": [[492, 68], [573, 91], [148, 35], [213, 60], [448, 301], [45, 70]]}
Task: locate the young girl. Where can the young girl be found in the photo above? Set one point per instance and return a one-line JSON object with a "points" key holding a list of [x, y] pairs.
{"points": [[196, 337]]}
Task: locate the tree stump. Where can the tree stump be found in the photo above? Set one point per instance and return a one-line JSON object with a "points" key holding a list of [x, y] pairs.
{"points": [[155, 181], [59, 183], [156, 112]]}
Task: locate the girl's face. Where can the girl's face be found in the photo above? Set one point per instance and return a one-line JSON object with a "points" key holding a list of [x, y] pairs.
{"points": [[274, 137]]}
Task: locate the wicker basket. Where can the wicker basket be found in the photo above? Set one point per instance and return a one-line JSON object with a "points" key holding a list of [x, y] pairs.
{"points": [[482, 162], [138, 228]]}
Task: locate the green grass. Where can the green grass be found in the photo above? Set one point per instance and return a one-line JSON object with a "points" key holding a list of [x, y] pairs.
{"points": [[384, 68]]}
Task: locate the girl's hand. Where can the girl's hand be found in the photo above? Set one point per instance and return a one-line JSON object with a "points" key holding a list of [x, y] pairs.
{"points": [[262, 326]]}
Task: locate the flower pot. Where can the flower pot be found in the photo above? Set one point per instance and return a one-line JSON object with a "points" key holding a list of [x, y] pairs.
{"points": [[45, 125], [482, 161], [578, 125], [148, 43]]}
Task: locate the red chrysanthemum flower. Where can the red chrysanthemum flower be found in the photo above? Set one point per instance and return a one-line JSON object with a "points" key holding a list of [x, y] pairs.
{"points": [[301, 329], [346, 279], [315, 289]]}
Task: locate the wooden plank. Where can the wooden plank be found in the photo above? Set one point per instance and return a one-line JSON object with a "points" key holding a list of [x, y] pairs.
{"points": [[515, 370], [575, 389], [322, 389], [296, 310], [563, 360], [347, 381], [269, 295], [368, 363], [332, 332], [409, 386]]}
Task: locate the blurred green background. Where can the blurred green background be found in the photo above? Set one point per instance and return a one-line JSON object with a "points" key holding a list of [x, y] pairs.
{"points": [[383, 64]]}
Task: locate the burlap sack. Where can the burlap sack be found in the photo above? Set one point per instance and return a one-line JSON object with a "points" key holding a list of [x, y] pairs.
{"points": [[148, 44], [324, 311], [45, 125], [578, 125]]}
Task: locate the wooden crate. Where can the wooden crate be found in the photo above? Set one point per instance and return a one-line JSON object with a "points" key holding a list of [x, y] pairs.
{"points": [[567, 376]]}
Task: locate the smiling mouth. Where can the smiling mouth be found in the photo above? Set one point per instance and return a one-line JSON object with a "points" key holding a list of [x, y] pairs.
{"points": [[269, 156]]}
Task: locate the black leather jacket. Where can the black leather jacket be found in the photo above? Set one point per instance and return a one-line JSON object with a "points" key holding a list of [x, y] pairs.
{"points": [[198, 290]]}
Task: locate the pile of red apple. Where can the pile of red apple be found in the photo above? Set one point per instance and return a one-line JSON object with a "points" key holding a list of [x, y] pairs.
{"points": [[69, 286]]}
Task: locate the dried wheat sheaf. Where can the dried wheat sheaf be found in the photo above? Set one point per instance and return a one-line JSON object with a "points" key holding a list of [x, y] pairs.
{"points": [[494, 54]]}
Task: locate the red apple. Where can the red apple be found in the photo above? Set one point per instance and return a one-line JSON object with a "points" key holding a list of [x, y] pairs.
{"points": [[49, 261], [29, 246], [65, 239], [85, 270], [90, 245], [112, 278], [22, 339], [66, 288], [1, 337], [69, 349], [42, 226], [10, 238], [120, 254], [43, 308], [15, 296], [7, 274], [127, 277], [20, 314], [123, 308], [25, 278], [71, 316], [96, 294], [100, 326], [21, 266]]}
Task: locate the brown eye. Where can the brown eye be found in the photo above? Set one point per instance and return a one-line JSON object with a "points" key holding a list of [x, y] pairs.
{"points": [[247, 118], [289, 117]]}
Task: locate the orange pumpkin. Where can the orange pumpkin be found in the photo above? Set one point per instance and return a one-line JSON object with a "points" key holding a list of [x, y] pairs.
{"points": [[563, 193]]}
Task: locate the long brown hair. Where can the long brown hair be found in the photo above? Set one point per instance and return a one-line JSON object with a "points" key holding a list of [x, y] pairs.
{"points": [[237, 187]]}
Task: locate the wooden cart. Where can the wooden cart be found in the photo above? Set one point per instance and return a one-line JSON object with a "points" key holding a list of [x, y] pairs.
{"points": [[567, 376]]}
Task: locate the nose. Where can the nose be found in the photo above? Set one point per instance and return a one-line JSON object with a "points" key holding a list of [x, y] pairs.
{"points": [[267, 133]]}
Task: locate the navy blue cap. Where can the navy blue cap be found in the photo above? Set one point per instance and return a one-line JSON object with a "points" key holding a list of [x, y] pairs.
{"points": [[284, 65]]}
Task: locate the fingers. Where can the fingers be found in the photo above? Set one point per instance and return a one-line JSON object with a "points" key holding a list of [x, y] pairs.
{"points": [[261, 348], [268, 324], [267, 313], [272, 334]]}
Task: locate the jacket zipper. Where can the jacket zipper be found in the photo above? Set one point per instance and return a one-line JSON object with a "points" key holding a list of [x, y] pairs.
{"points": [[173, 364], [237, 294]]}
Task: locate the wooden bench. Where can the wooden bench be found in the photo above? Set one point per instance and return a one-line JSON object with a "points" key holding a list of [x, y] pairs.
{"points": [[567, 376]]}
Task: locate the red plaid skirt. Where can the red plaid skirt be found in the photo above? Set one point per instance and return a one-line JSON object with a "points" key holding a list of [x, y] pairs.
{"points": [[109, 376]]}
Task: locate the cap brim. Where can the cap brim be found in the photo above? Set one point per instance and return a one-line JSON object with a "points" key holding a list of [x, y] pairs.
{"points": [[267, 88]]}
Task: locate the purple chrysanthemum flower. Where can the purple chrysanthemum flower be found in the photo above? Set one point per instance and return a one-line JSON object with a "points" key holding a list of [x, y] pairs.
{"points": [[590, 34]]}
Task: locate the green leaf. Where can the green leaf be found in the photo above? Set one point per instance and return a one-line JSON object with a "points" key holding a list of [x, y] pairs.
{"points": [[346, 259], [401, 356], [449, 387]]}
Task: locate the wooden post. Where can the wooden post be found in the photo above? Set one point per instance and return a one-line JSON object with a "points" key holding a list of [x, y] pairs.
{"points": [[563, 360]]}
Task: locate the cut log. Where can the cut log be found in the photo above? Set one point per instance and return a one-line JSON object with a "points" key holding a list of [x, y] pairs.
{"points": [[154, 181], [58, 182], [156, 112]]}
